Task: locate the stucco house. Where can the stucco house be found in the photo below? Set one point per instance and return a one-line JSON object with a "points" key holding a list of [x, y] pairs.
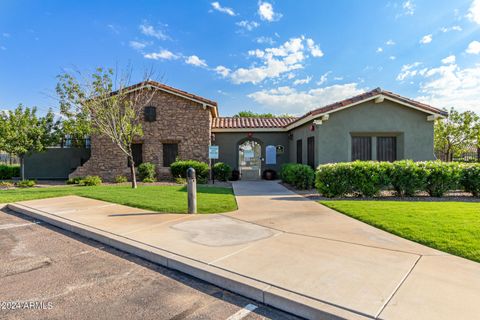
{"points": [[375, 125]]}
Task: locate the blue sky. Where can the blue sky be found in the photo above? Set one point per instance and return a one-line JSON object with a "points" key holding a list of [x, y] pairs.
{"points": [[266, 56]]}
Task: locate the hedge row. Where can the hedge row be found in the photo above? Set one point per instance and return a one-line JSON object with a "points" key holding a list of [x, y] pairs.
{"points": [[179, 169], [7, 172], [405, 177], [301, 176]]}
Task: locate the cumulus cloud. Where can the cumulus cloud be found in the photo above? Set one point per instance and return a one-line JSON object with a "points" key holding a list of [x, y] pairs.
{"points": [[138, 45], [195, 61], [275, 61], [302, 81], [408, 7], [452, 28], [474, 11], [379, 50], [151, 31], [217, 6], [426, 39], [248, 25], [161, 55], [323, 78], [390, 42], [448, 60], [223, 71], [265, 40], [266, 12], [473, 48], [408, 70], [392, 57], [287, 99]]}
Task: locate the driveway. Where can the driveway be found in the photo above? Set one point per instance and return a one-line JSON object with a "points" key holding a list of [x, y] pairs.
{"points": [[289, 252]]}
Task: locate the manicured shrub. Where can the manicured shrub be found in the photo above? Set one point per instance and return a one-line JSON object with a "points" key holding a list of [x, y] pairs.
{"points": [[25, 184], [75, 180], [7, 172], [441, 177], [179, 169], [470, 179], [406, 178], [222, 171], [180, 180], [369, 177], [334, 179], [300, 176], [91, 181], [121, 179], [146, 171], [149, 180]]}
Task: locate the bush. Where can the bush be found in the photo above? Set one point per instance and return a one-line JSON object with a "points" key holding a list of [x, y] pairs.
{"points": [[7, 172], [91, 181], [180, 180], [75, 180], [179, 169], [121, 179], [222, 171], [6, 184], [407, 178], [146, 171], [149, 180], [300, 176], [470, 179], [333, 179], [441, 177], [25, 184]]}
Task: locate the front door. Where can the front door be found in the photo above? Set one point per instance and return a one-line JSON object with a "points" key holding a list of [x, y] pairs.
{"points": [[250, 160]]}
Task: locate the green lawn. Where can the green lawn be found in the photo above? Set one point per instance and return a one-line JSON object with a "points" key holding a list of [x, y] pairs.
{"points": [[156, 198], [452, 227]]}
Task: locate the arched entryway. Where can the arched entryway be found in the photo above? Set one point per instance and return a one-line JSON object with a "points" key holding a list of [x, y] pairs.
{"points": [[250, 159]]}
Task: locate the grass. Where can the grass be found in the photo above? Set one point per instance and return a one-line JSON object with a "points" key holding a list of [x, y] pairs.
{"points": [[453, 227], [157, 198]]}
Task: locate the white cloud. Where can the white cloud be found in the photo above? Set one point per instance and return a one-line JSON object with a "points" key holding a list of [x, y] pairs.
{"points": [[3, 48], [390, 42], [451, 86], [474, 11], [161, 55], [323, 78], [452, 28], [249, 25], [473, 48], [217, 6], [409, 7], [266, 12], [6, 35], [223, 71], [150, 31], [392, 57], [195, 61], [302, 81], [112, 28], [314, 49], [448, 60], [267, 40], [408, 70], [426, 39], [276, 61], [287, 99], [138, 45], [379, 49]]}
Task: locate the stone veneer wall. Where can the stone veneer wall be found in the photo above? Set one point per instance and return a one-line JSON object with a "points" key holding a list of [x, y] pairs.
{"points": [[179, 120]]}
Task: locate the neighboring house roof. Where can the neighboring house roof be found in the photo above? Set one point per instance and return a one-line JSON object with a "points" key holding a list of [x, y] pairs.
{"points": [[250, 123], [157, 85]]}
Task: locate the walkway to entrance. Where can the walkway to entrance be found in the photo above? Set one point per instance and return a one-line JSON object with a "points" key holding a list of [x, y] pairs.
{"points": [[286, 251]]}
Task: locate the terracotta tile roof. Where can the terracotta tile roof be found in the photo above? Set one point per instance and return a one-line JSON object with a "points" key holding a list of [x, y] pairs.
{"points": [[253, 123], [368, 94]]}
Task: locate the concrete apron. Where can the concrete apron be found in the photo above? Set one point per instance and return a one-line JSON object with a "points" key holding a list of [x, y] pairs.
{"points": [[284, 251]]}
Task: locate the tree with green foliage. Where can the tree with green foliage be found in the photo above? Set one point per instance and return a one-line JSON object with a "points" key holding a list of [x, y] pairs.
{"points": [[104, 103], [251, 114], [456, 133], [22, 132]]}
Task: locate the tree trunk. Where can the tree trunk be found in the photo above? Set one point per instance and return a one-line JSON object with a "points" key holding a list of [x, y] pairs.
{"points": [[132, 173], [22, 167]]}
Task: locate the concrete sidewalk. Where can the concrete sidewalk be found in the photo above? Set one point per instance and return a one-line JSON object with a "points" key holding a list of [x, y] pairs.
{"points": [[286, 251]]}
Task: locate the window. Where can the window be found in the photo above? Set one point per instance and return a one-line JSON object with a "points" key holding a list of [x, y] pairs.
{"points": [[311, 151], [137, 154], [386, 148], [361, 148], [150, 114], [299, 151], [170, 153]]}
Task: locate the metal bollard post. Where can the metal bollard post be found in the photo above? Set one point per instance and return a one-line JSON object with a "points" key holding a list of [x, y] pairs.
{"points": [[192, 190]]}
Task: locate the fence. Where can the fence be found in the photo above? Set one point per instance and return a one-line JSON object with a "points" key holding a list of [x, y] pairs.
{"points": [[6, 158]]}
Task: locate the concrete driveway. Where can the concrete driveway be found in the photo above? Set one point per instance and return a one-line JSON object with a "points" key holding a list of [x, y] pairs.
{"points": [[286, 251]]}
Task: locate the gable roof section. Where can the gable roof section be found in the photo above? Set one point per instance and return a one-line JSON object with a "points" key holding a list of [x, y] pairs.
{"points": [[263, 124], [163, 87]]}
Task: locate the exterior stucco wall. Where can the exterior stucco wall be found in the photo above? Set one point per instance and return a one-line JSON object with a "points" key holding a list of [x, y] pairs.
{"points": [[228, 143], [179, 120], [333, 137]]}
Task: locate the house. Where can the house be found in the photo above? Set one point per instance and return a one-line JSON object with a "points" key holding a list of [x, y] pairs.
{"points": [[376, 125]]}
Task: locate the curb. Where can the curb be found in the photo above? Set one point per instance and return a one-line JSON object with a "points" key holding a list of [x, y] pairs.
{"points": [[265, 293]]}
